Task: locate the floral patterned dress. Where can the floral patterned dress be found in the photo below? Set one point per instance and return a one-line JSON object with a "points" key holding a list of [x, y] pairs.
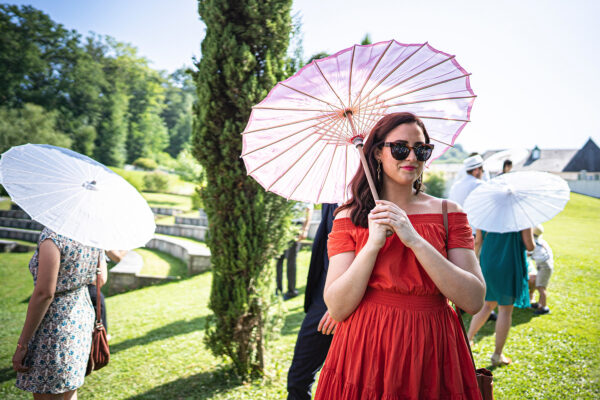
{"points": [[59, 350]]}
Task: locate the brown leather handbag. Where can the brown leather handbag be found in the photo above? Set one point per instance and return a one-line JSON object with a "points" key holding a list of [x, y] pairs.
{"points": [[485, 379], [100, 353]]}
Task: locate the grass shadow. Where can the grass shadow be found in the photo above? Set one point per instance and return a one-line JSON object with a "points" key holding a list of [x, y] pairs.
{"points": [[293, 321], [519, 316], [201, 386], [176, 328], [6, 374]]}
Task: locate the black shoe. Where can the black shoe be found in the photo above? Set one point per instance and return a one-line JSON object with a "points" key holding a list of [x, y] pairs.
{"points": [[493, 316], [290, 295], [542, 311], [535, 305]]}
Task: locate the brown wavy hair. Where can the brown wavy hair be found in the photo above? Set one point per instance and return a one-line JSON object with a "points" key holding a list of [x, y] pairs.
{"points": [[362, 201]]}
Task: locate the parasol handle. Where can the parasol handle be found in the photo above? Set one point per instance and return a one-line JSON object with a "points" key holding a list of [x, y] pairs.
{"points": [[365, 165], [363, 161]]}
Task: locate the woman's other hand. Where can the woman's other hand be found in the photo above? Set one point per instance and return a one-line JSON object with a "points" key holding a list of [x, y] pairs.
{"points": [[327, 324], [18, 359], [387, 214]]}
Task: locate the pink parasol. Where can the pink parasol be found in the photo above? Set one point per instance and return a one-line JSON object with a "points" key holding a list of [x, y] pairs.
{"points": [[299, 141]]}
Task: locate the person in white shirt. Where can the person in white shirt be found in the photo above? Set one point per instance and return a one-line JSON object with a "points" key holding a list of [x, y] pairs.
{"points": [[544, 263], [461, 189]]}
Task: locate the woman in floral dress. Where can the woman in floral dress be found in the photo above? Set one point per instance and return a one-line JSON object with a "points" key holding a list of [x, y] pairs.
{"points": [[54, 346]]}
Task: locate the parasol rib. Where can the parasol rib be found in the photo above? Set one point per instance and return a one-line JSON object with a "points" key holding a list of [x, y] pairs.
{"points": [[374, 68], [259, 107], [292, 165], [329, 84], [350, 77], [394, 69], [326, 174], [37, 166], [426, 87], [424, 101], [415, 75], [278, 155], [306, 94], [283, 138], [307, 171], [282, 125]]}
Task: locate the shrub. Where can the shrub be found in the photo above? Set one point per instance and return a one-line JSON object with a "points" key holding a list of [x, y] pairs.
{"points": [[156, 182], [197, 200], [187, 167], [135, 178], [435, 184], [146, 163]]}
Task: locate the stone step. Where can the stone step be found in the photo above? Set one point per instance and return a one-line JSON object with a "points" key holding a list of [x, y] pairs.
{"points": [[165, 211], [201, 221], [9, 246], [18, 214], [189, 231], [196, 256], [21, 223], [19, 234]]}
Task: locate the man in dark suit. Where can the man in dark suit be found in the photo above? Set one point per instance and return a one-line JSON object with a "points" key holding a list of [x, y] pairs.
{"points": [[317, 327]]}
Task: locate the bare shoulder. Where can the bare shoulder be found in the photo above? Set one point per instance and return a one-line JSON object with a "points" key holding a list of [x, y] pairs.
{"points": [[454, 207], [434, 204], [345, 213]]}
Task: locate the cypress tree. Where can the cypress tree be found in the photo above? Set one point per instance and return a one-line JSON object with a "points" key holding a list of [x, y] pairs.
{"points": [[243, 57]]}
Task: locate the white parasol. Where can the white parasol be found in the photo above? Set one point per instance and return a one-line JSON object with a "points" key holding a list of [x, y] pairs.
{"points": [[76, 196], [516, 201]]}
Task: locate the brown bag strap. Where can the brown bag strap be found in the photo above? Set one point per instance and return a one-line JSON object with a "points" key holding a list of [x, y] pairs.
{"points": [[462, 325], [98, 294]]}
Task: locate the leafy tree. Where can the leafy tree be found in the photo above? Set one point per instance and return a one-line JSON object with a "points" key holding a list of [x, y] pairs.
{"points": [[435, 184], [180, 95], [29, 124], [243, 57], [366, 39]]}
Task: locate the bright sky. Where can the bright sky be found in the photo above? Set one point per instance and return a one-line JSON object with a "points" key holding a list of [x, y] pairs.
{"points": [[535, 63]]}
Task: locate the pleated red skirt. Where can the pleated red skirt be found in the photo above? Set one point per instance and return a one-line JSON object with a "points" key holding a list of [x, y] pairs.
{"points": [[399, 347]]}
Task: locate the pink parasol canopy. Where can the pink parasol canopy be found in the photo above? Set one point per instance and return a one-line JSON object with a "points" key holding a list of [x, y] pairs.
{"points": [[299, 141]]}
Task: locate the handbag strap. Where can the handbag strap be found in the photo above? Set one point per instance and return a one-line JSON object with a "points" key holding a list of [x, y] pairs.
{"points": [[462, 325], [98, 294]]}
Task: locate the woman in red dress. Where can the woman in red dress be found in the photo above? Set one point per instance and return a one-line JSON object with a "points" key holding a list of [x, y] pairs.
{"points": [[399, 338]]}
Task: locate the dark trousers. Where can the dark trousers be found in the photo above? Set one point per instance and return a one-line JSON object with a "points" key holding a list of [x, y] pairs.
{"points": [[92, 290], [290, 254], [309, 355]]}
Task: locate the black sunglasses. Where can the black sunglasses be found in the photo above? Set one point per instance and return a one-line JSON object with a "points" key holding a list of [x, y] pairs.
{"points": [[401, 150]]}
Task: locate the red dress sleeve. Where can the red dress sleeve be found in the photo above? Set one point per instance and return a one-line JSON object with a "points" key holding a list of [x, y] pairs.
{"points": [[460, 234], [341, 238]]}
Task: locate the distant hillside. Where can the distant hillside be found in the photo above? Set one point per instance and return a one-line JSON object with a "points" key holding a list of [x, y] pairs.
{"points": [[454, 155]]}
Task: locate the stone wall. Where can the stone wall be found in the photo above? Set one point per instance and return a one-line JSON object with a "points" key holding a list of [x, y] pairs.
{"points": [[126, 275], [202, 221], [196, 257], [19, 234], [18, 214], [165, 211], [190, 231], [21, 224]]}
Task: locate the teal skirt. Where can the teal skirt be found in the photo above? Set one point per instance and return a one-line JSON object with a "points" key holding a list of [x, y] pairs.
{"points": [[503, 262]]}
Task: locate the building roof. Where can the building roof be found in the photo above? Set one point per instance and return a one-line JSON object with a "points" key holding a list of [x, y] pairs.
{"points": [[587, 158], [559, 160], [551, 160]]}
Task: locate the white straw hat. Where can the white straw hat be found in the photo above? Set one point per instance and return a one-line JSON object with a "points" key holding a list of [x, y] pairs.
{"points": [[473, 162]]}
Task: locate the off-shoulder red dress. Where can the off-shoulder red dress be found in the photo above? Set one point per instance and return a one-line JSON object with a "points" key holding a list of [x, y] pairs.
{"points": [[404, 340]]}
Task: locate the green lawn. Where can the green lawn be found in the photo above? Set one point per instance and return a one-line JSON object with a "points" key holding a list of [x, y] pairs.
{"points": [[168, 200], [158, 352], [5, 204], [157, 263]]}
